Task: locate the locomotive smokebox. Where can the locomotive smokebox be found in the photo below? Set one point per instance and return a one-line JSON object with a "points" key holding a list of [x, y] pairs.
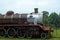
{"points": [[35, 10]]}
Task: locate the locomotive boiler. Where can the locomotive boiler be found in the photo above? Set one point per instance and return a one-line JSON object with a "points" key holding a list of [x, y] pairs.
{"points": [[20, 18]]}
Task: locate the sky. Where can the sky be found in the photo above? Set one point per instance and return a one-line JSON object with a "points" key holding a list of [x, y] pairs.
{"points": [[27, 6]]}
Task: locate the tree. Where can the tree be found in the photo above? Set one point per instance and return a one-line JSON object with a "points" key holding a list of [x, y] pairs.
{"points": [[59, 20], [54, 19], [45, 18]]}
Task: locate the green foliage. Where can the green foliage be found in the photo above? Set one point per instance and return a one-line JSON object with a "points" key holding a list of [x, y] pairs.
{"points": [[52, 20]]}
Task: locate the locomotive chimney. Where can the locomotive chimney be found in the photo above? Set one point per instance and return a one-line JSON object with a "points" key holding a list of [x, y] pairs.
{"points": [[35, 10]]}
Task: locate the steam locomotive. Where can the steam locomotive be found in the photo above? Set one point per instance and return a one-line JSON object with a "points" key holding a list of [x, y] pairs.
{"points": [[23, 25]]}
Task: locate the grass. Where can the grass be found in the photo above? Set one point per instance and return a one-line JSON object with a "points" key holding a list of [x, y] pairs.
{"points": [[56, 33], [55, 36], [27, 39]]}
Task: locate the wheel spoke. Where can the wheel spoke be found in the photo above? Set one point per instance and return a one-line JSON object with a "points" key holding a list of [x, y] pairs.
{"points": [[20, 33], [28, 34], [43, 35], [11, 32]]}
